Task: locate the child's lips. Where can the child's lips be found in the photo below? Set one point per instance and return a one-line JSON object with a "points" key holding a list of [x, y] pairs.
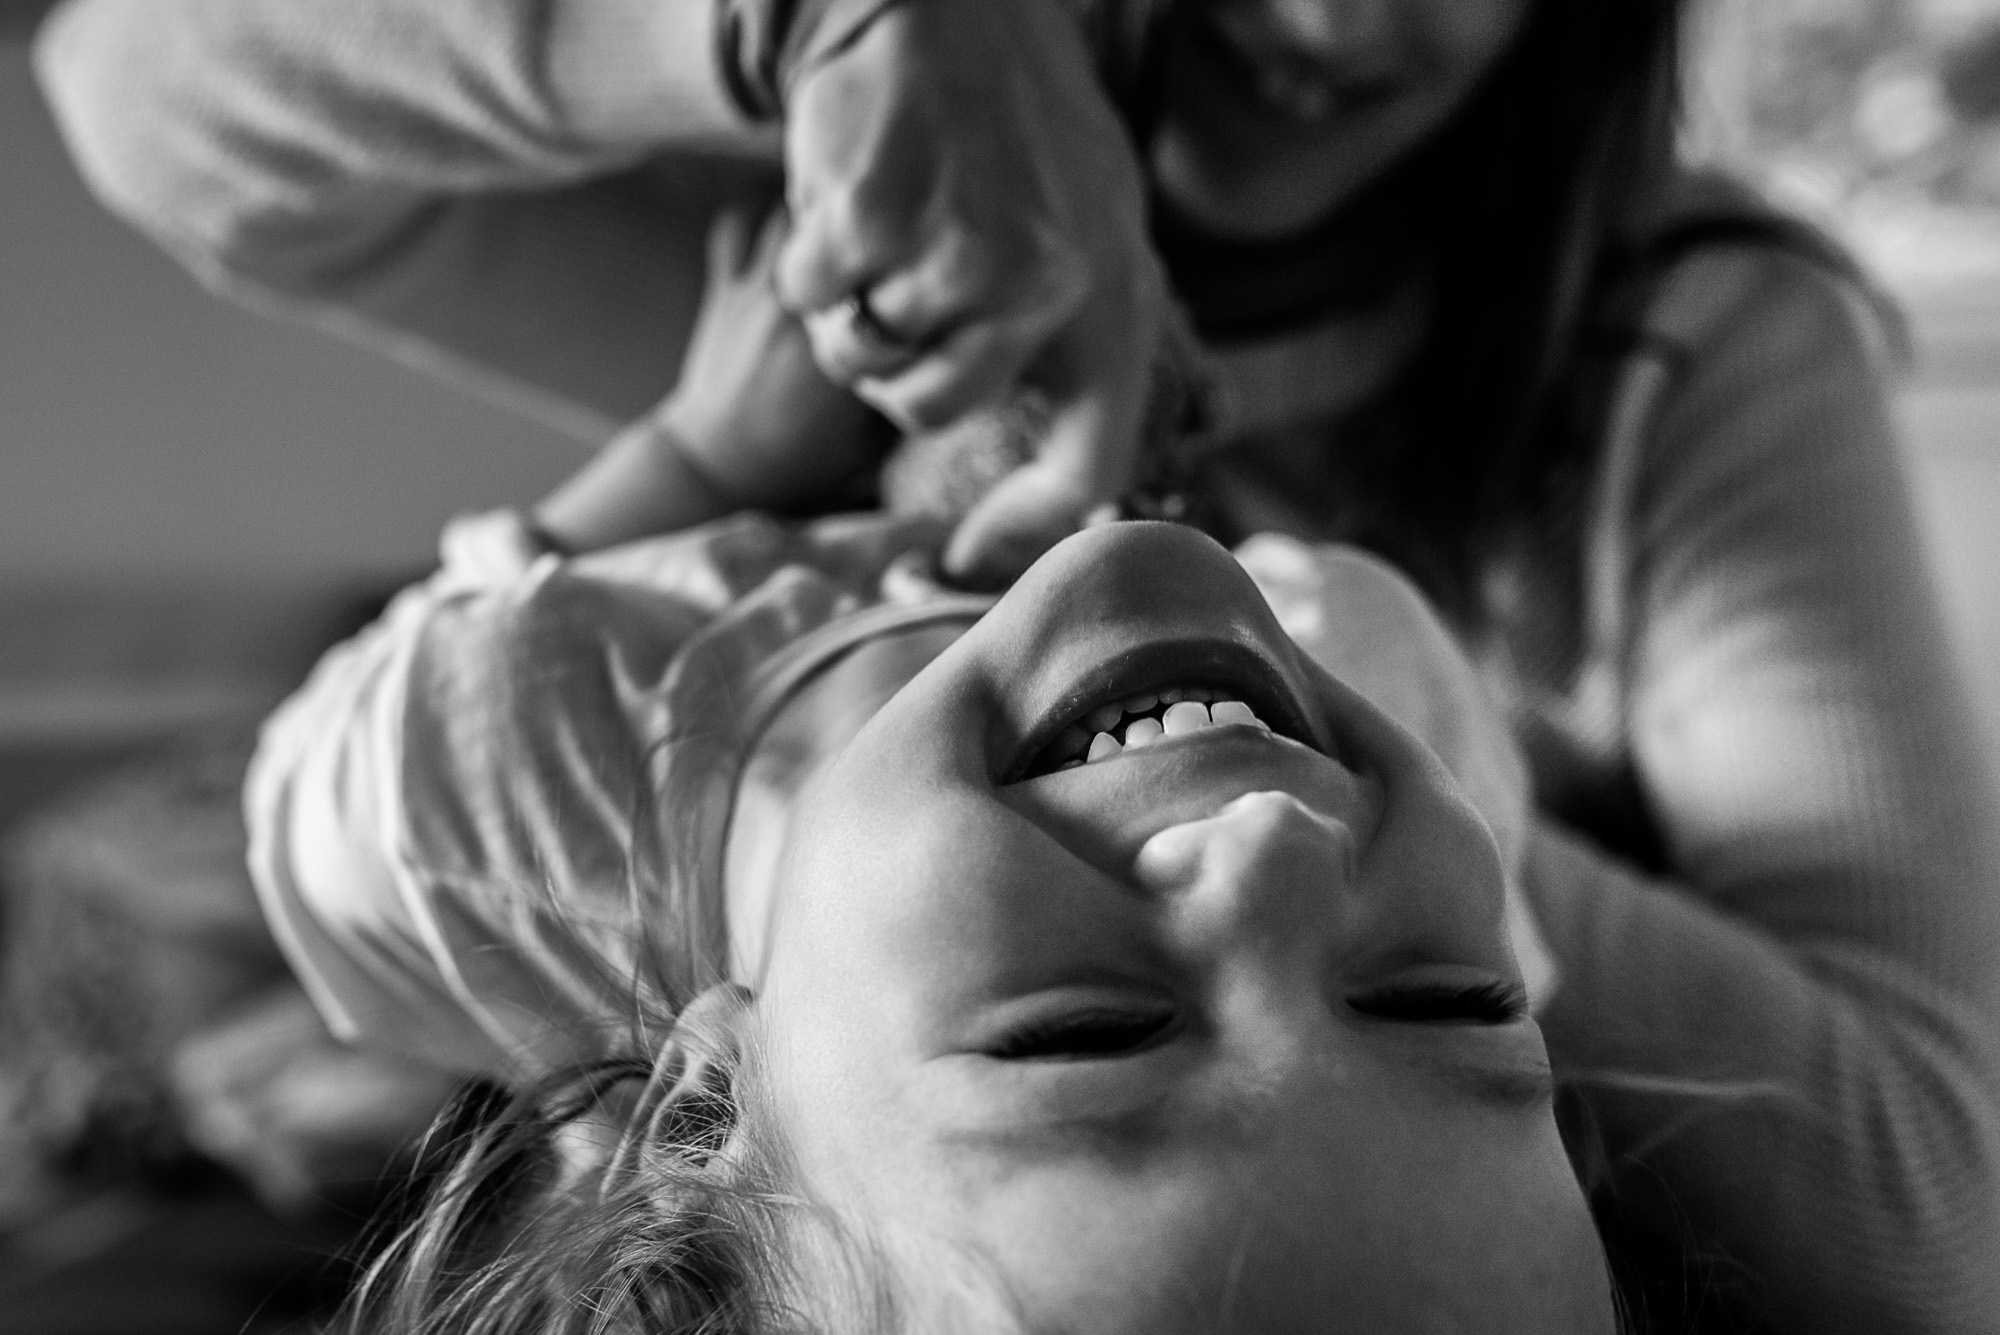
{"points": [[1105, 812]]}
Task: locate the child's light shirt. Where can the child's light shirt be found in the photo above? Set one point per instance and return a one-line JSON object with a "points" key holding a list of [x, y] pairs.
{"points": [[458, 825]]}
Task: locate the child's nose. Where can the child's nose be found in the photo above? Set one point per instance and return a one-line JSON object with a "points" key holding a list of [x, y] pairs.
{"points": [[1266, 871]]}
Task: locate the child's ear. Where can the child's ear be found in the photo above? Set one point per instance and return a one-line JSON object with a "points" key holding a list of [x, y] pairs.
{"points": [[690, 1100], [686, 1107]]}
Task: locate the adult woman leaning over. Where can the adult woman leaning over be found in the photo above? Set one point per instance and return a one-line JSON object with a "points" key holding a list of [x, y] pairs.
{"points": [[1625, 428]]}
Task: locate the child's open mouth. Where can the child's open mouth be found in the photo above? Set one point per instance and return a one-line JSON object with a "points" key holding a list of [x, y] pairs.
{"points": [[1125, 725], [1157, 693]]}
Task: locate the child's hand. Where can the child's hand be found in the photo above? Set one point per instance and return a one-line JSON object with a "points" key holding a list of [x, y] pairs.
{"points": [[489, 549], [752, 411], [750, 425]]}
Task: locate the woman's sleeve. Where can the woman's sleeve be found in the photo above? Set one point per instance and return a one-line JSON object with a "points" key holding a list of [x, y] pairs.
{"points": [[464, 172], [1792, 1047]]}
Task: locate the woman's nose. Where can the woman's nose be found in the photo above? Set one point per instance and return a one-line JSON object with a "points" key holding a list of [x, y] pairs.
{"points": [[1266, 871], [1325, 29]]}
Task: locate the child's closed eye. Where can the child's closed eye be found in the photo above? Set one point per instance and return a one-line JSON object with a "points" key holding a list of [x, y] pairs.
{"points": [[1083, 1035], [1491, 1002]]}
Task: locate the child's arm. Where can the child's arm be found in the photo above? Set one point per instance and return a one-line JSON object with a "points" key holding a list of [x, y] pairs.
{"points": [[751, 423], [641, 483]]}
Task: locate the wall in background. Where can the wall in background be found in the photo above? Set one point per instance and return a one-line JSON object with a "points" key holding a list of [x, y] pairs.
{"points": [[148, 430]]}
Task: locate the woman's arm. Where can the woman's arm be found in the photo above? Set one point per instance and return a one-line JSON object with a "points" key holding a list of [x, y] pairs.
{"points": [[513, 187], [467, 173], [1792, 1049]]}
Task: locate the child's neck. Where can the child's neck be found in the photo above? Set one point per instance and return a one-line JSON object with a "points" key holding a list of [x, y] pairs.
{"points": [[815, 725]]}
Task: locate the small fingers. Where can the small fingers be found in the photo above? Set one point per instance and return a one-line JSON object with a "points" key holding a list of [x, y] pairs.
{"points": [[488, 549], [973, 367], [852, 343], [732, 239], [1030, 511], [773, 224], [1086, 460]]}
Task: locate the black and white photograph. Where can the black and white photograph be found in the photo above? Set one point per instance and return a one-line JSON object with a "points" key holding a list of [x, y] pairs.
{"points": [[999, 667]]}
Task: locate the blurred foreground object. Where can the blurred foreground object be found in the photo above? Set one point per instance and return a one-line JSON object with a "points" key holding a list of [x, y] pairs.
{"points": [[268, 1092], [149, 1018]]}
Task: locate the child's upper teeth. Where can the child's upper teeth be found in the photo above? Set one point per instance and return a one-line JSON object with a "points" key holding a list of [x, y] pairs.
{"points": [[1143, 732], [1235, 711], [1112, 729], [1179, 718], [1104, 718]]}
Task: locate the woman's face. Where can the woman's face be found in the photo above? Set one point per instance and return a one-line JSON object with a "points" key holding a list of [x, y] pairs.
{"points": [[1222, 1033], [1277, 111]]}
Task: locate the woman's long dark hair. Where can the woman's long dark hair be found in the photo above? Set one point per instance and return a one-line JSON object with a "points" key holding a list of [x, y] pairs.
{"points": [[1537, 187], [1518, 219]]}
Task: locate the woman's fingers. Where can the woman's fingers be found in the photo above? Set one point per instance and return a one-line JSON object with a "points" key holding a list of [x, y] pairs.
{"points": [[967, 213], [975, 367], [732, 238], [1095, 377], [1030, 511], [853, 344], [1086, 459], [954, 317]]}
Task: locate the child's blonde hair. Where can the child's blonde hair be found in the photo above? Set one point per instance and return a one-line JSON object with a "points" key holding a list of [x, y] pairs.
{"points": [[636, 1195]]}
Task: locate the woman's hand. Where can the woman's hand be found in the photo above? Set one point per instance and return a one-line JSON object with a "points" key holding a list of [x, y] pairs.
{"points": [[968, 213]]}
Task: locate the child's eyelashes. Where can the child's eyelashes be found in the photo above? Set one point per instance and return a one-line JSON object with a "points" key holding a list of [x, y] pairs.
{"points": [[1490, 1002], [1088, 1034], [1101, 1032]]}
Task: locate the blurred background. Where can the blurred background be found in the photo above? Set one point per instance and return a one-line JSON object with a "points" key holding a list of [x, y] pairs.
{"points": [[193, 498]]}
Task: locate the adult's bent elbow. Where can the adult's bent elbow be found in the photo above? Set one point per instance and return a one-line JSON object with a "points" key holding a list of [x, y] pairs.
{"points": [[135, 90]]}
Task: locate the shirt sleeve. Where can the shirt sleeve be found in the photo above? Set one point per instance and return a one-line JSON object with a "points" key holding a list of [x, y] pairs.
{"points": [[448, 822], [486, 831], [469, 173], [1788, 1046]]}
